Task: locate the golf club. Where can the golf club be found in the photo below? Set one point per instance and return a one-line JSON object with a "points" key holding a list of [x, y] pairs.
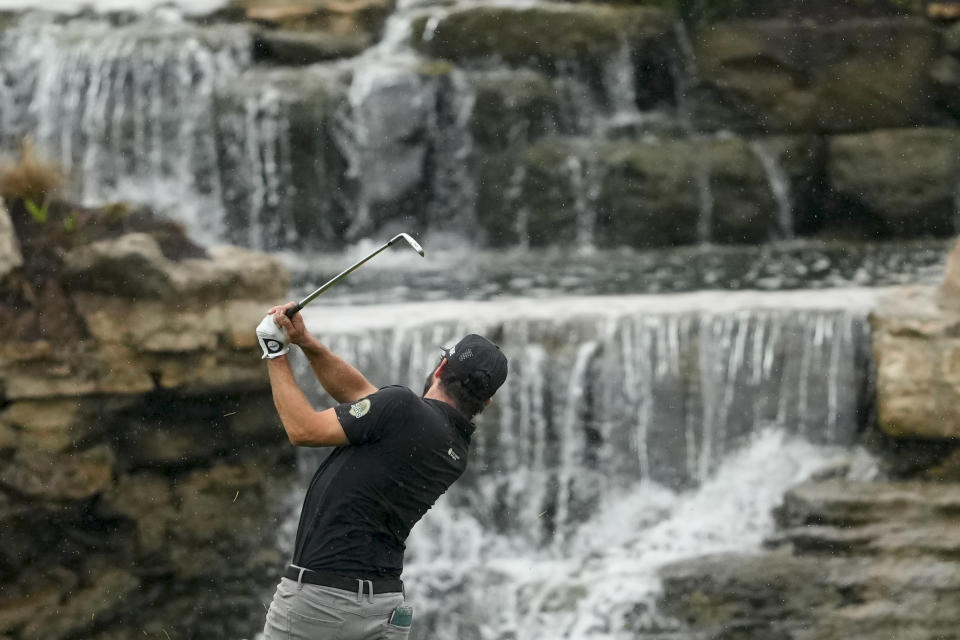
{"points": [[340, 276]]}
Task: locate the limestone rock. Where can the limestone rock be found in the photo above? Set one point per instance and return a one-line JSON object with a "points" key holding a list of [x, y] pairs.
{"points": [[307, 47], [147, 499], [856, 560], [789, 76], [544, 37], [29, 599], [10, 256], [844, 504], [638, 194], [905, 178], [49, 424], [306, 101], [945, 75], [917, 354], [949, 294], [65, 477], [107, 593], [131, 266], [512, 107], [332, 16], [943, 10], [951, 40]]}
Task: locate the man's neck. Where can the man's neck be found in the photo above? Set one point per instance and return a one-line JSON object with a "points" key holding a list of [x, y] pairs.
{"points": [[437, 393]]}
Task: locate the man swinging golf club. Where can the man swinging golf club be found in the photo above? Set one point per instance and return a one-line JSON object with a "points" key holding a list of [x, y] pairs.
{"points": [[396, 453]]}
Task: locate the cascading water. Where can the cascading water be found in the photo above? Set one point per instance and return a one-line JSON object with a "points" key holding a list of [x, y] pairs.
{"points": [[632, 431], [125, 110]]}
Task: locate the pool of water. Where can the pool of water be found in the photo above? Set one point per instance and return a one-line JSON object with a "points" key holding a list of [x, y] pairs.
{"points": [[400, 275]]}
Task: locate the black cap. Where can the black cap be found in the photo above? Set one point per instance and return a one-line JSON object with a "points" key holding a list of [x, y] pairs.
{"points": [[475, 354]]}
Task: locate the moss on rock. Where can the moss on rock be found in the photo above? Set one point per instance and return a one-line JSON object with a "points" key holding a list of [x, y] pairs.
{"points": [[907, 178], [637, 194], [786, 76], [543, 37]]}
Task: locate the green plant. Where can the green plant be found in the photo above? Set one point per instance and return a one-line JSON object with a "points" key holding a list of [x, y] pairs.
{"points": [[37, 212], [70, 222]]}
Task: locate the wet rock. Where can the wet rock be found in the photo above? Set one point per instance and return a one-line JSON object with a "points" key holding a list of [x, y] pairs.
{"points": [[303, 48], [107, 594], [67, 477], [856, 560], [845, 504], [779, 75], [951, 40], [147, 499], [287, 115], [131, 266], [50, 424], [214, 504], [29, 599], [906, 178], [339, 17], [638, 194], [512, 107], [835, 598], [544, 37], [10, 256], [945, 75]]}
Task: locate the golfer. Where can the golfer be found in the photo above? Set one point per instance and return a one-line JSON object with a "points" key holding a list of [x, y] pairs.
{"points": [[396, 453]]}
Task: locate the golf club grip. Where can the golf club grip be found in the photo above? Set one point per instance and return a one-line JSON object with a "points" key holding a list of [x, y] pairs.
{"points": [[292, 311]]}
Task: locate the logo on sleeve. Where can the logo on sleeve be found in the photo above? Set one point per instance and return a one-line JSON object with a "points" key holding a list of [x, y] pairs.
{"points": [[453, 454], [360, 409]]}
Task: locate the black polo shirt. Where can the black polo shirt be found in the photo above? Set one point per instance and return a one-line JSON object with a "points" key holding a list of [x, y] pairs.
{"points": [[365, 497]]}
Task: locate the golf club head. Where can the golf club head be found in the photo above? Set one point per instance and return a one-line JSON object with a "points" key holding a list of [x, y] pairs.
{"points": [[413, 243]]}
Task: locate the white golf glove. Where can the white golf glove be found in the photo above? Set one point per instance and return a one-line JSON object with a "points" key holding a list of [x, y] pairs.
{"points": [[273, 339]]}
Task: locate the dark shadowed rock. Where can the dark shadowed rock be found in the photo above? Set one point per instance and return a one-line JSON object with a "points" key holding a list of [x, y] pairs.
{"points": [[27, 600], [779, 75], [512, 107], [74, 476], [638, 194], [132, 266], [106, 593], [305, 47], [906, 178], [544, 37]]}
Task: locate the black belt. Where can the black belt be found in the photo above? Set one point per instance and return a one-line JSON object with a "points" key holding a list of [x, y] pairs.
{"points": [[337, 581]]}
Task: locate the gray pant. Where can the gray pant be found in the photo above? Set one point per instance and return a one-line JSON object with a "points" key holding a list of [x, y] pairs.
{"points": [[311, 612]]}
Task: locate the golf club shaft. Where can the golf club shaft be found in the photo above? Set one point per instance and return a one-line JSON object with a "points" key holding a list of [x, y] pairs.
{"points": [[292, 311]]}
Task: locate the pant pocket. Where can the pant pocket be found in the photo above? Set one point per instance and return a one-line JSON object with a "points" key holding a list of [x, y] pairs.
{"points": [[399, 623], [312, 619]]}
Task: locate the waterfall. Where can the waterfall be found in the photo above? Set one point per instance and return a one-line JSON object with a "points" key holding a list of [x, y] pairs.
{"points": [[779, 186], [620, 416], [125, 110], [586, 184], [257, 169]]}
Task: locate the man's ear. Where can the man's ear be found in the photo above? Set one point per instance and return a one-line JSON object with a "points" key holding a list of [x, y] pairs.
{"points": [[436, 372], [489, 400]]}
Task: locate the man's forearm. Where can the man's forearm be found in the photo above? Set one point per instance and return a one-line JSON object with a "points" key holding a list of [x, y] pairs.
{"points": [[342, 381], [304, 426], [292, 406]]}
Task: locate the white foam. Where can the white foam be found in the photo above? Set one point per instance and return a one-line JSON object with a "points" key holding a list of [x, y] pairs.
{"points": [[483, 314], [193, 7]]}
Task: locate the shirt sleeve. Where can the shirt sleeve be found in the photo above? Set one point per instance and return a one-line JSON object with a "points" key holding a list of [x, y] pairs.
{"points": [[364, 421]]}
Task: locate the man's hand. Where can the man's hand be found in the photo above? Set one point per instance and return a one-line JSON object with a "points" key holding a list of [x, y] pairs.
{"points": [[296, 330], [272, 339]]}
